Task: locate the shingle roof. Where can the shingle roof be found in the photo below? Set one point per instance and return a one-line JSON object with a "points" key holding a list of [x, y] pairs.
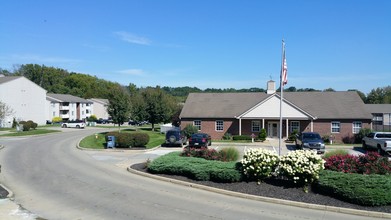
{"points": [[66, 98], [323, 105], [378, 108], [5, 79], [101, 101]]}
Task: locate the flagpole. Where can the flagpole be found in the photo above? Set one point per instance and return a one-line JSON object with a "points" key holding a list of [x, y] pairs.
{"points": [[281, 92]]}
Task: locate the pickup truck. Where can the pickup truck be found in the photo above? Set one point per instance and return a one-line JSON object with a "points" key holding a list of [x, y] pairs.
{"points": [[73, 124], [378, 140]]}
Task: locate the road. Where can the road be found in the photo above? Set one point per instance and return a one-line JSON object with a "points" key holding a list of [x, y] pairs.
{"points": [[52, 178]]}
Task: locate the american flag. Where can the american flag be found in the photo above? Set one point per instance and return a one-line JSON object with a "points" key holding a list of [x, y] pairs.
{"points": [[284, 69]]}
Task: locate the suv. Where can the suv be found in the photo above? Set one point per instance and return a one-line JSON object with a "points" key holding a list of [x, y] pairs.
{"points": [[311, 141], [175, 137]]}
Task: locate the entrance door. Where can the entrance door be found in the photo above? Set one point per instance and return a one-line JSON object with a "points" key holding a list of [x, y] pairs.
{"points": [[273, 129]]}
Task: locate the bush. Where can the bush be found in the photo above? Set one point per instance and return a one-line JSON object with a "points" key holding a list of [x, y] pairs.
{"points": [[241, 138], [228, 154], [367, 190], [189, 130], [92, 118], [370, 163], [195, 168], [125, 139], [301, 166], [331, 153], [258, 164], [14, 123], [56, 119], [262, 135], [227, 136], [26, 126], [361, 134], [140, 139], [32, 124]]}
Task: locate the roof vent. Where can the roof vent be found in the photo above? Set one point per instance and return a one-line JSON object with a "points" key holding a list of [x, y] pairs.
{"points": [[271, 87]]}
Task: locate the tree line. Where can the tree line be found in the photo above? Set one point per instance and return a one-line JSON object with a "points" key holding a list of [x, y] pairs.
{"points": [[155, 104]]}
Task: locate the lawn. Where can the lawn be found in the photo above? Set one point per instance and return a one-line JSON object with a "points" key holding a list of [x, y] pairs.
{"points": [[37, 131], [97, 141]]}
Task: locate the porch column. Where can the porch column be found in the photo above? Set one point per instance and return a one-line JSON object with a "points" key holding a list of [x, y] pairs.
{"points": [[287, 128], [240, 126], [263, 123], [312, 125]]}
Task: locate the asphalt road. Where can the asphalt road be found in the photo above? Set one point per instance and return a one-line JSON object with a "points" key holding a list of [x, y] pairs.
{"points": [[52, 178]]}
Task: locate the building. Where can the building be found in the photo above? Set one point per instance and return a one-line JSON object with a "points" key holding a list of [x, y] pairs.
{"points": [[339, 115], [99, 107], [381, 116], [24, 97], [68, 107]]}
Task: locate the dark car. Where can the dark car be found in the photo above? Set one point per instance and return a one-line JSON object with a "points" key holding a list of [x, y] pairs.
{"points": [[102, 121], [175, 137], [200, 140], [311, 141]]}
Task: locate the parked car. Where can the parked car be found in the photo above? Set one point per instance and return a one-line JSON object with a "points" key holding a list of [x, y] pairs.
{"points": [[102, 121], [200, 140], [175, 137], [381, 141], [73, 124], [311, 141]]}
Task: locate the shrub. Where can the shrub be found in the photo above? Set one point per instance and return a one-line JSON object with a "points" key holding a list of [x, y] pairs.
{"points": [[189, 130], [25, 126], [56, 119], [328, 154], [361, 134], [92, 118], [262, 135], [195, 168], [227, 136], [301, 166], [228, 154], [241, 137], [14, 123], [258, 164], [140, 139], [367, 190], [32, 124], [370, 163]]}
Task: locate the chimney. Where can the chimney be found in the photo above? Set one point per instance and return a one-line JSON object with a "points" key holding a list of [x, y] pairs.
{"points": [[271, 87]]}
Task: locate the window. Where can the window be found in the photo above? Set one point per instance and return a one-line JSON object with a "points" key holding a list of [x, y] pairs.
{"points": [[356, 127], [295, 126], [197, 123], [335, 127], [54, 114], [219, 125], [255, 126]]}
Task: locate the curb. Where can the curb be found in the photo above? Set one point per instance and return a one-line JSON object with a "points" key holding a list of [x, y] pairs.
{"points": [[266, 199], [10, 193]]}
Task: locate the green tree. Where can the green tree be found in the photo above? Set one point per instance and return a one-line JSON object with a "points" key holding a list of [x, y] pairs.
{"points": [[119, 106], [376, 96], [154, 105]]}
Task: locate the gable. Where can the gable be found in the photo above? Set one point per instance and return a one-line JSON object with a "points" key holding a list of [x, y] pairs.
{"points": [[270, 108]]}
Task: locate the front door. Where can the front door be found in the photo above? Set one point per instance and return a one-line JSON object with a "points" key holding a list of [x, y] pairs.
{"points": [[273, 129]]}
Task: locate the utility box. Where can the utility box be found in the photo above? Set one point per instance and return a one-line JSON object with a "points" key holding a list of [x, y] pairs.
{"points": [[110, 142]]}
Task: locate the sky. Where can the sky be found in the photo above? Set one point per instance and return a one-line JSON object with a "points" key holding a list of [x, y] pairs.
{"points": [[339, 44]]}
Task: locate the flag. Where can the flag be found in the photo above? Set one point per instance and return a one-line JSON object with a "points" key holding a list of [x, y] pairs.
{"points": [[284, 67]]}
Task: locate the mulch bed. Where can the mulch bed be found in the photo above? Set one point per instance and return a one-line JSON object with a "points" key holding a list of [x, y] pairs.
{"points": [[275, 189]]}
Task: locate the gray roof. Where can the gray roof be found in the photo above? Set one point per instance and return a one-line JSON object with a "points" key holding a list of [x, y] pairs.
{"points": [[4, 79], [322, 105], [66, 98], [101, 101], [378, 108]]}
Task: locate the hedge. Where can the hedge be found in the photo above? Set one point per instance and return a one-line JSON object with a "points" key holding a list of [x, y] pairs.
{"points": [[126, 139], [241, 137], [367, 190], [195, 168]]}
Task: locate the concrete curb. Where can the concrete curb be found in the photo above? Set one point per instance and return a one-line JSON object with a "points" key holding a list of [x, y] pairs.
{"points": [[112, 150], [10, 193], [266, 199]]}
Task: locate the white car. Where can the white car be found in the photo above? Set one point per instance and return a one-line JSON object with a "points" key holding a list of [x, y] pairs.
{"points": [[73, 124]]}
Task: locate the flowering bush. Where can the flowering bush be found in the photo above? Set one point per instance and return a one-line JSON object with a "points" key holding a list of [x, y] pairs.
{"points": [[301, 166], [258, 164], [370, 163], [225, 154]]}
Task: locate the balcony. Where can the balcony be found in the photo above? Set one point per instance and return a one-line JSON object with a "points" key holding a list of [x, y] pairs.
{"points": [[64, 115], [64, 107]]}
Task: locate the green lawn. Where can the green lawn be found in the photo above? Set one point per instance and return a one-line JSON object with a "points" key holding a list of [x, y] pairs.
{"points": [[97, 141], [38, 131]]}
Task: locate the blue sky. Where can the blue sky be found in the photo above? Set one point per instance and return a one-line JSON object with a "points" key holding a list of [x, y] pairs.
{"points": [[339, 44]]}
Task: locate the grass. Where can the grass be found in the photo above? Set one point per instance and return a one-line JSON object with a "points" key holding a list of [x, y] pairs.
{"points": [[98, 141], [38, 131]]}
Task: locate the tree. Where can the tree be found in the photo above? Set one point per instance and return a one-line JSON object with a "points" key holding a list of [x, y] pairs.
{"points": [[119, 106], [5, 111], [376, 96], [361, 94], [154, 105]]}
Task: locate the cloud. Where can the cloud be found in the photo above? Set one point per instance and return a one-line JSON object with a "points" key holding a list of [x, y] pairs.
{"points": [[134, 72], [132, 38]]}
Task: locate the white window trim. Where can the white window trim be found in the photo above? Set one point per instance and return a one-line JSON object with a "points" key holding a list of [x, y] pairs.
{"points": [[252, 126], [216, 126], [291, 127], [199, 126], [356, 127], [339, 127]]}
